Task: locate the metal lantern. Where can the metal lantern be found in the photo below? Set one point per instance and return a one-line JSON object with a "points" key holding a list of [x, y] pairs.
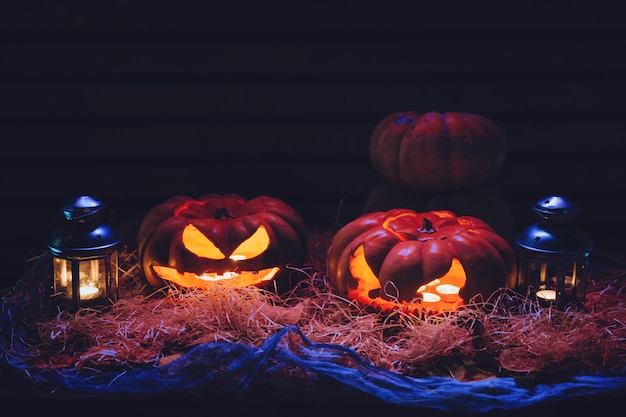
{"points": [[84, 255], [553, 266]]}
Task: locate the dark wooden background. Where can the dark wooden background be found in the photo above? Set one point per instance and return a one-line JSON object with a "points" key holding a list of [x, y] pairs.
{"points": [[135, 102]]}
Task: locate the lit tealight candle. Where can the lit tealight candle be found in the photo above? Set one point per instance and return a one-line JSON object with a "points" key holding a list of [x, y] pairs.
{"points": [[429, 297], [430, 301], [448, 292], [218, 277], [87, 292], [548, 295], [428, 287]]}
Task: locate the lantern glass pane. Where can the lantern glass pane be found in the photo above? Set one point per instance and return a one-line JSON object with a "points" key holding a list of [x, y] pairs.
{"points": [[571, 278], [576, 274], [561, 280], [92, 275], [542, 275], [62, 269], [113, 276], [542, 279]]}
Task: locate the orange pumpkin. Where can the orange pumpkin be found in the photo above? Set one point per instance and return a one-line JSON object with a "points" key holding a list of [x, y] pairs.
{"points": [[418, 262], [437, 151], [196, 243]]}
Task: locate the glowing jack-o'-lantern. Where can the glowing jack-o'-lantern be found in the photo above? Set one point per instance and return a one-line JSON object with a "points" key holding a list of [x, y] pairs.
{"points": [[196, 243], [418, 262]]}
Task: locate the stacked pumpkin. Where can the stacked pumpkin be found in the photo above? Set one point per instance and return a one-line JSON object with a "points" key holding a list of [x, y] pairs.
{"points": [[437, 151], [426, 241], [441, 161]]}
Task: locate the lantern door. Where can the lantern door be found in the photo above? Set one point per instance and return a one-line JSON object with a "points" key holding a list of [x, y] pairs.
{"points": [[554, 280]]}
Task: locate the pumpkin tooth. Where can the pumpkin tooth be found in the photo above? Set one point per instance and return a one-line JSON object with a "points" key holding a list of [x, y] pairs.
{"points": [[207, 279]]}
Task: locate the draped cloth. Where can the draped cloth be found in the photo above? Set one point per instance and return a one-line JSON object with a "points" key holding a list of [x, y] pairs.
{"points": [[239, 368], [234, 368]]}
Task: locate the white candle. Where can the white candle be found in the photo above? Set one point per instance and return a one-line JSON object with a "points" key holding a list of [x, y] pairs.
{"points": [[429, 297], [87, 293], [213, 276], [549, 295], [428, 286], [448, 292]]}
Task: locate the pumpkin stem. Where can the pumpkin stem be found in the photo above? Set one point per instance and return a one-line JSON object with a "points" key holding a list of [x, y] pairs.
{"points": [[222, 214], [427, 226]]}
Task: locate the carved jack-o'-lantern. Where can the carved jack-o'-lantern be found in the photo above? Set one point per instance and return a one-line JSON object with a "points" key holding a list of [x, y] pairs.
{"points": [[418, 262], [195, 243]]}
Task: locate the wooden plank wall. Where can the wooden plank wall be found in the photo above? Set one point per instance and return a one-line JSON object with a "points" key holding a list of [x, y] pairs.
{"points": [[135, 102]]}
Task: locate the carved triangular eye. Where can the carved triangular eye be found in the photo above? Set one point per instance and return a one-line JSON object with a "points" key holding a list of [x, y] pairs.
{"points": [[196, 242], [254, 246]]}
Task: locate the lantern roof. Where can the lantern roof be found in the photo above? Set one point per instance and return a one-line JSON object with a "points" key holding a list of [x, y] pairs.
{"points": [[84, 233], [555, 239], [555, 233]]}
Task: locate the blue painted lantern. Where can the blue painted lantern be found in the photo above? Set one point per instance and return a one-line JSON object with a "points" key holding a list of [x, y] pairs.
{"points": [[553, 264], [84, 255]]}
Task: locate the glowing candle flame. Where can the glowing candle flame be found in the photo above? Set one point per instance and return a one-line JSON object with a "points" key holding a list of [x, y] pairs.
{"points": [[549, 295], [429, 297], [448, 292], [87, 292], [217, 277]]}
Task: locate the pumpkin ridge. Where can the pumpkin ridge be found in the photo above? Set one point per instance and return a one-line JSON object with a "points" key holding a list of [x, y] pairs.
{"points": [[397, 174], [446, 134]]}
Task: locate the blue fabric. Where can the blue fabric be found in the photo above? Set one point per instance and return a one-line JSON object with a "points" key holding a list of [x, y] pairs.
{"points": [[233, 367]]}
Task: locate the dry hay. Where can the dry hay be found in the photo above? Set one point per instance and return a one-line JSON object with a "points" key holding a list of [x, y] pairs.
{"points": [[501, 335]]}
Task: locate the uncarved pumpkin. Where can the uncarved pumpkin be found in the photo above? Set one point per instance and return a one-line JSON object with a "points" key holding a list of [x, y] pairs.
{"points": [[196, 243], [485, 201], [418, 262], [437, 151]]}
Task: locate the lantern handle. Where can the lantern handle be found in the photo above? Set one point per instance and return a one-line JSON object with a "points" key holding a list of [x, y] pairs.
{"points": [[82, 207]]}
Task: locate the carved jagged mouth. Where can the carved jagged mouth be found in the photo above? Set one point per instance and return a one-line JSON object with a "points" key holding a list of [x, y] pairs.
{"points": [[207, 279], [438, 295]]}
